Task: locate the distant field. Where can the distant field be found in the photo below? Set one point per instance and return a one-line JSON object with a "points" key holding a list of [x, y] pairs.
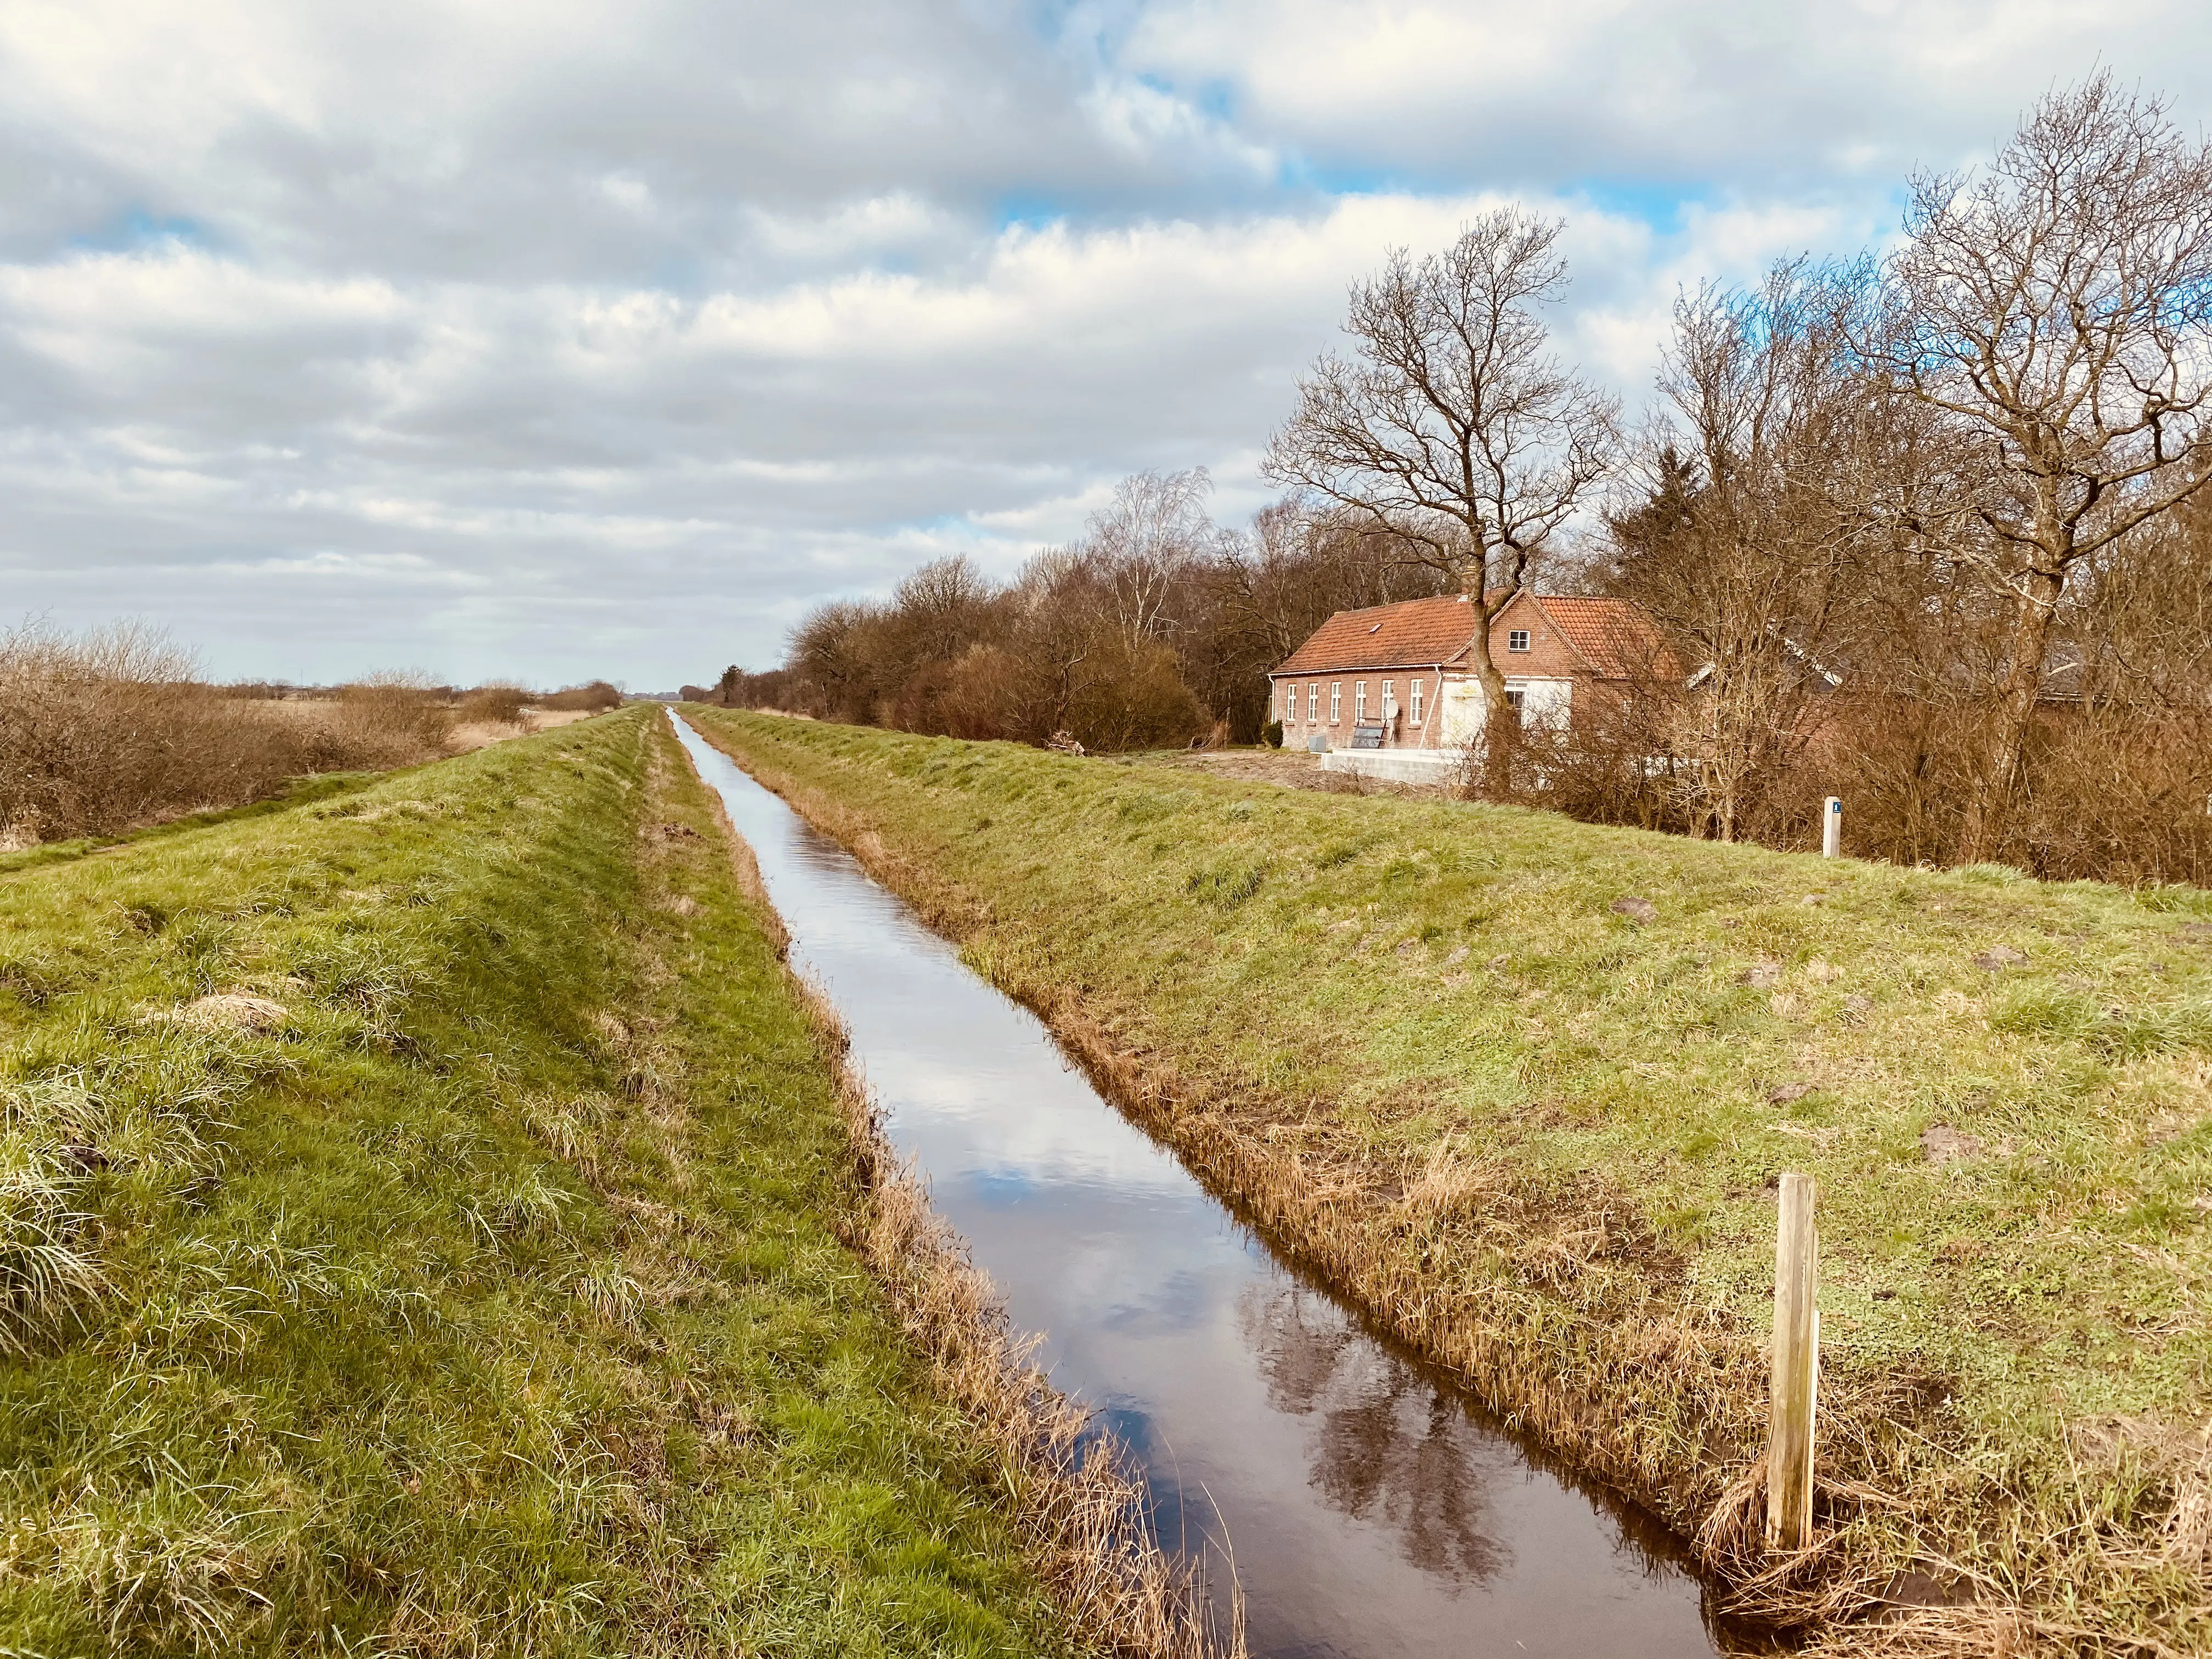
{"points": [[421, 1236], [1525, 1085]]}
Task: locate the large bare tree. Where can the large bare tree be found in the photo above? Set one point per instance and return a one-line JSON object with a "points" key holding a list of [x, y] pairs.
{"points": [[1754, 500], [2057, 308], [1146, 542], [1453, 429]]}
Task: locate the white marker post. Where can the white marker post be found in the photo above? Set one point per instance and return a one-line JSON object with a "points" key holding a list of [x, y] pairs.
{"points": [[1831, 828]]}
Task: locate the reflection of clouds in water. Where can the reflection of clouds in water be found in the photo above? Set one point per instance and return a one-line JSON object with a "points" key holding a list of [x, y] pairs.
{"points": [[1179, 1302], [1387, 1446], [1049, 1147], [1180, 1520]]}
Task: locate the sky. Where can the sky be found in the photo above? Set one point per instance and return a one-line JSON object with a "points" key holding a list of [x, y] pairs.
{"points": [[574, 339]]}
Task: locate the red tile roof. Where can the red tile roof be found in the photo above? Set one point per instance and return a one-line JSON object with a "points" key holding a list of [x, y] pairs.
{"points": [[1414, 634], [1615, 636]]}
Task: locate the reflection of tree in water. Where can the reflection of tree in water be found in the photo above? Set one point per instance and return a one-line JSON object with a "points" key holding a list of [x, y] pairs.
{"points": [[1389, 1449]]}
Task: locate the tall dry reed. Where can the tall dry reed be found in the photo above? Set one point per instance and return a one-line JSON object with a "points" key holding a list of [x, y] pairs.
{"points": [[106, 730]]}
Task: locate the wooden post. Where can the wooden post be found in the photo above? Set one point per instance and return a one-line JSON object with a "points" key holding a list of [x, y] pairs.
{"points": [[1831, 828], [1796, 1377]]}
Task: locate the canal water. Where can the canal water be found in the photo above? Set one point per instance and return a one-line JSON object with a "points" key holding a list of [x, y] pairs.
{"points": [[1371, 1508]]}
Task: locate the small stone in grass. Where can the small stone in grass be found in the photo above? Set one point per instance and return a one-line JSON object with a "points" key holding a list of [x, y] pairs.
{"points": [[2195, 933], [1458, 954], [1761, 975], [1788, 1092], [1498, 965], [1998, 957], [1944, 1145], [1639, 910], [1814, 898]]}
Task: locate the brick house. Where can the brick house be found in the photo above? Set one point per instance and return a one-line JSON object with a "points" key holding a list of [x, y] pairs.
{"points": [[1391, 691]]}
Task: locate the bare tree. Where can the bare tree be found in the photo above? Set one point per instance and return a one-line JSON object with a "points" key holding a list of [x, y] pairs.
{"points": [[1144, 542], [2058, 309], [1248, 605], [1744, 539], [1452, 429]]}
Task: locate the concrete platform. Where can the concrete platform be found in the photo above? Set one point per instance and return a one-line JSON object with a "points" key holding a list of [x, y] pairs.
{"points": [[1432, 766]]}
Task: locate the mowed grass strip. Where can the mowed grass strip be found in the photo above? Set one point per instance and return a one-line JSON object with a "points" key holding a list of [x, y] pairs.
{"points": [[421, 1236], [1526, 1086]]}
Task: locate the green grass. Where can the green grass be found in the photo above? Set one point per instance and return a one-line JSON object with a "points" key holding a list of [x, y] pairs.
{"points": [[301, 792], [2014, 1343], [490, 1304]]}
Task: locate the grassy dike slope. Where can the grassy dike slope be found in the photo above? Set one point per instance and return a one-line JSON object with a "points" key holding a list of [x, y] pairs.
{"points": [[476, 1288], [1524, 1086]]}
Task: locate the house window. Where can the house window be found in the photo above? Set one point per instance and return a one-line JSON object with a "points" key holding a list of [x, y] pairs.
{"points": [[1360, 703], [1417, 702], [1313, 702], [1290, 704], [1389, 701], [1517, 640], [1335, 701], [1515, 696]]}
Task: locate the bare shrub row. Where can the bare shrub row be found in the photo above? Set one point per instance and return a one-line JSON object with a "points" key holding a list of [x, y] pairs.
{"points": [[1154, 629], [104, 730]]}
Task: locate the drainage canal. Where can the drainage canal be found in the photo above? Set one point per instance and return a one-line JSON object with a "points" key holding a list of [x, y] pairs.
{"points": [[1373, 1510]]}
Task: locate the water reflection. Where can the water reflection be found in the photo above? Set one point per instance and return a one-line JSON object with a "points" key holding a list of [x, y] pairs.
{"points": [[1372, 1510], [1388, 1446]]}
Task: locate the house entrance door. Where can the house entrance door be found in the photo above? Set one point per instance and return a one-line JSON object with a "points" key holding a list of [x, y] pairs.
{"points": [[1463, 710]]}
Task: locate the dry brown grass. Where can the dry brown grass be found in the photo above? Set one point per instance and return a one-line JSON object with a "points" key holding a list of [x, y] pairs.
{"points": [[103, 732], [468, 735]]}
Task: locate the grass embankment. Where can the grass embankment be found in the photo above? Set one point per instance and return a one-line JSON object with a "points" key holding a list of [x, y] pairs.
{"points": [[300, 791], [421, 1233], [1524, 1085]]}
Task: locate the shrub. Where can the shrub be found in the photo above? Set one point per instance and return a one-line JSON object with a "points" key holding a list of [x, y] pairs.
{"points": [[595, 695], [495, 705], [102, 731]]}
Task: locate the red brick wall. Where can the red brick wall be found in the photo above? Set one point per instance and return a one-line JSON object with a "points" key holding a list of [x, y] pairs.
{"points": [[1404, 734], [1548, 657]]}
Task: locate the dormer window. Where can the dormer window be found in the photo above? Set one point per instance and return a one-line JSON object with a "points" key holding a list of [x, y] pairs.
{"points": [[1517, 640]]}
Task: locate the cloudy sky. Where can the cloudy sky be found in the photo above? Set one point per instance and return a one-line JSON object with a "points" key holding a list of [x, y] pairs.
{"points": [[579, 338]]}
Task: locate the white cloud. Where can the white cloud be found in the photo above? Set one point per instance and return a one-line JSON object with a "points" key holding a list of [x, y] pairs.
{"points": [[580, 338], [1695, 92]]}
